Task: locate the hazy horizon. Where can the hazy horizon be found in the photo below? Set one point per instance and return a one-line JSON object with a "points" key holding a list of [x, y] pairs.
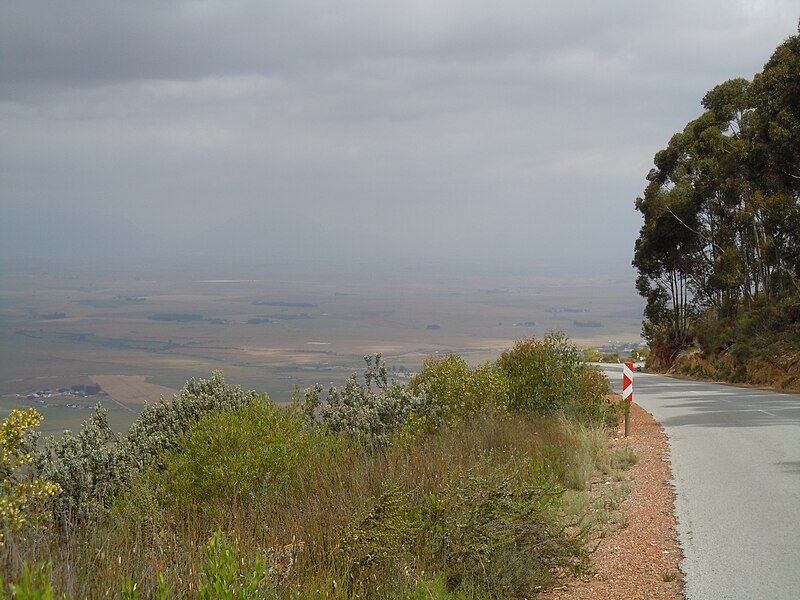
{"points": [[456, 131]]}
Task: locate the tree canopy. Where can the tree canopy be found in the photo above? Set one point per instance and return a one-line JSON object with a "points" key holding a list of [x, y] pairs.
{"points": [[721, 208]]}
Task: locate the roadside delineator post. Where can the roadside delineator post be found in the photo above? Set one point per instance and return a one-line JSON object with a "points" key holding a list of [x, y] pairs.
{"points": [[627, 393]]}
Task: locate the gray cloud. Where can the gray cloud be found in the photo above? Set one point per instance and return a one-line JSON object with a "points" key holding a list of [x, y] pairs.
{"points": [[454, 128]]}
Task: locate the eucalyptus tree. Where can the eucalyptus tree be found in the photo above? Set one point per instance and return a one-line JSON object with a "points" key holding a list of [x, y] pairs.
{"points": [[721, 229], [775, 157]]}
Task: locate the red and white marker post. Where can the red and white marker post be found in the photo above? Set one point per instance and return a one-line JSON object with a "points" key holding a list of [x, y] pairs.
{"points": [[627, 393]]}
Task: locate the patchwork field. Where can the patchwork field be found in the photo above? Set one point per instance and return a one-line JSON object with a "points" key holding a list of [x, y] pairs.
{"points": [[131, 391], [140, 331]]}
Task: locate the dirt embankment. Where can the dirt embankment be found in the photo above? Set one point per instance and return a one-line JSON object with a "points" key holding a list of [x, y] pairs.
{"points": [[640, 559], [778, 371]]}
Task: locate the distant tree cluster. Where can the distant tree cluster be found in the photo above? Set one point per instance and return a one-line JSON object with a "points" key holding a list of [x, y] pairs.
{"points": [[53, 316], [593, 324], [721, 232], [177, 317]]}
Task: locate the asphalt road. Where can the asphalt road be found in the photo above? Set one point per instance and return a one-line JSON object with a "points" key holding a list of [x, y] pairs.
{"points": [[736, 466]]}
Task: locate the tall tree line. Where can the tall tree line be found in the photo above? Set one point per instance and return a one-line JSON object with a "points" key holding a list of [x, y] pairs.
{"points": [[721, 232]]}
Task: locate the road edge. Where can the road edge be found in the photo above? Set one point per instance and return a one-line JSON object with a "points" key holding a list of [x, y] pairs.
{"points": [[641, 559]]}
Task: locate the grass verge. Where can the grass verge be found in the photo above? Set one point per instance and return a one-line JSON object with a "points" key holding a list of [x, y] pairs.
{"points": [[493, 508]]}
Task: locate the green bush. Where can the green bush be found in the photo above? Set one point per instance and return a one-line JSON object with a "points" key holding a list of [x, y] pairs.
{"points": [[35, 583], [92, 467], [226, 576], [498, 533], [129, 589], [592, 355], [547, 375], [612, 358], [230, 456], [159, 426], [489, 528], [571, 452], [594, 404], [456, 392], [542, 373], [382, 536], [23, 501], [84, 465], [436, 589]]}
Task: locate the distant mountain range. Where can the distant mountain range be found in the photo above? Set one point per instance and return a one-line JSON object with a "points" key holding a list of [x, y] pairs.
{"points": [[283, 235], [72, 235]]}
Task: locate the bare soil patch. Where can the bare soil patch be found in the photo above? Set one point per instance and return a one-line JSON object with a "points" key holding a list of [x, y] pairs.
{"points": [[640, 559], [132, 391]]}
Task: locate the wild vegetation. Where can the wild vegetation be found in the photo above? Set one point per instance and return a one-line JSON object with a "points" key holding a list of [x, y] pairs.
{"points": [[719, 252], [464, 484]]}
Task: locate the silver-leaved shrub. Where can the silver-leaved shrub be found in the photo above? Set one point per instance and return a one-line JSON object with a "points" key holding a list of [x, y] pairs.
{"points": [[159, 426], [83, 464], [93, 466], [369, 410]]}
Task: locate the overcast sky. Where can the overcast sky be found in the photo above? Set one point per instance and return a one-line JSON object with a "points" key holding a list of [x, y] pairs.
{"points": [[498, 129]]}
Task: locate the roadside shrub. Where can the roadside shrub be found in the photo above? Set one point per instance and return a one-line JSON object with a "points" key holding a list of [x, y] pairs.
{"points": [[436, 589], [470, 509], [542, 374], [498, 533], [612, 358], [592, 355], [21, 499], [35, 583], [594, 404], [456, 392], [229, 577], [546, 376], [369, 411], [475, 513], [571, 452], [383, 536], [231, 456], [84, 466], [92, 467]]}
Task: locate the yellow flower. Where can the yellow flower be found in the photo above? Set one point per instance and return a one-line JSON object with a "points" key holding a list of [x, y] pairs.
{"points": [[20, 500]]}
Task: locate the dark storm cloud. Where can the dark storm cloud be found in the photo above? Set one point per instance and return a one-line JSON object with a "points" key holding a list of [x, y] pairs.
{"points": [[102, 41], [471, 127], [81, 42]]}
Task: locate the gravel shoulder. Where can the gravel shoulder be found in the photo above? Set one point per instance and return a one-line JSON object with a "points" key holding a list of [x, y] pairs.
{"points": [[641, 558]]}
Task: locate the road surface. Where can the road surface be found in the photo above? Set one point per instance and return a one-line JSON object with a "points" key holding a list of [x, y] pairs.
{"points": [[736, 465]]}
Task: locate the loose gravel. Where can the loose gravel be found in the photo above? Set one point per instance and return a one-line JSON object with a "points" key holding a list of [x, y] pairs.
{"points": [[641, 559]]}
